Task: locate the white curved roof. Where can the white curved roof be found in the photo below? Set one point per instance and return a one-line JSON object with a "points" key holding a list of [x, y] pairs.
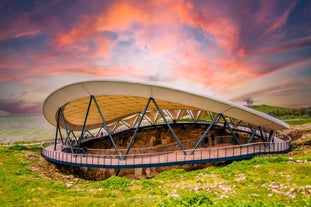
{"points": [[119, 99]]}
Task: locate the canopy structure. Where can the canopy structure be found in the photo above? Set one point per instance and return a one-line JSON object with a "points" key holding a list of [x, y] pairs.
{"points": [[120, 99]]}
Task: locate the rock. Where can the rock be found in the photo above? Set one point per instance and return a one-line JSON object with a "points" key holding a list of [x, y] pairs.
{"points": [[92, 191], [138, 172], [168, 139], [69, 184], [152, 141], [276, 191], [174, 195], [148, 173], [164, 141], [240, 177], [289, 194]]}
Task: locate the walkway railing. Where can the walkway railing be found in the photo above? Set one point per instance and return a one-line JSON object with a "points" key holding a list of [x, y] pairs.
{"points": [[167, 158]]}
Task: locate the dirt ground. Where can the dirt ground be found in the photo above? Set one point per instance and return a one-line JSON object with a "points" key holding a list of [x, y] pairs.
{"points": [[301, 135]]}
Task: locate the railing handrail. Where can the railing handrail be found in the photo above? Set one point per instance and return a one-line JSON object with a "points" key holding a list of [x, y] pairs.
{"points": [[141, 160], [189, 150]]}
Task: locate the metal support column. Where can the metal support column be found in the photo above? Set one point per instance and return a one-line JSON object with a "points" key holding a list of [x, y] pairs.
{"points": [[61, 135], [205, 133], [57, 128], [98, 133], [135, 132], [84, 123], [271, 137], [198, 116], [262, 134], [253, 135], [231, 130], [66, 130], [232, 122], [74, 136], [168, 125], [106, 127]]}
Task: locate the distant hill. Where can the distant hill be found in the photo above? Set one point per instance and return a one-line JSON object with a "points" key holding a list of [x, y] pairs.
{"points": [[25, 128], [284, 113]]}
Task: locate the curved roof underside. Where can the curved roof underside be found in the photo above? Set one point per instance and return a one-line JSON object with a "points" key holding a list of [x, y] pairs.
{"points": [[118, 100]]}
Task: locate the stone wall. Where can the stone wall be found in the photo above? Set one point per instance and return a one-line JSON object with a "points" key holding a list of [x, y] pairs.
{"points": [[152, 137]]}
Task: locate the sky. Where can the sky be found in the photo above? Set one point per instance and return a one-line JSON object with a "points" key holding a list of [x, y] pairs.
{"points": [[228, 49]]}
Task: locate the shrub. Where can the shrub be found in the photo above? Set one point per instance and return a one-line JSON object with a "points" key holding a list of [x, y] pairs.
{"points": [[18, 147], [188, 199], [117, 183]]}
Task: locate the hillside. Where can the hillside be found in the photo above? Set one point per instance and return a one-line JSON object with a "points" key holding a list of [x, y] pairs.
{"points": [[284, 113], [25, 128]]}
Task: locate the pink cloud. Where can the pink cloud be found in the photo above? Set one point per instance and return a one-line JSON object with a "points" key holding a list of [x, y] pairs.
{"points": [[287, 46], [216, 23], [222, 46], [283, 93], [280, 21], [21, 27]]}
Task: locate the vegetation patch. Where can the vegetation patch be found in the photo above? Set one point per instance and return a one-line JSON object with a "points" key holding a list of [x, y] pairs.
{"points": [[26, 179], [187, 199]]}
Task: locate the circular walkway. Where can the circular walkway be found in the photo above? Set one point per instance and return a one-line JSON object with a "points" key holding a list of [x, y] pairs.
{"points": [[172, 158]]}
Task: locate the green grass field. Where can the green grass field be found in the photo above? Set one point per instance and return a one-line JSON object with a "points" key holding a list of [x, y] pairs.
{"points": [[26, 179], [291, 116]]}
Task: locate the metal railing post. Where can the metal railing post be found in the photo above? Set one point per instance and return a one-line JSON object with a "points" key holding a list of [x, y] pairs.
{"points": [[225, 152]]}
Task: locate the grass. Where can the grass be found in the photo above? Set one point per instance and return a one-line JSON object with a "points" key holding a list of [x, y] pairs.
{"points": [[261, 181], [293, 122], [25, 128], [291, 116], [26, 179]]}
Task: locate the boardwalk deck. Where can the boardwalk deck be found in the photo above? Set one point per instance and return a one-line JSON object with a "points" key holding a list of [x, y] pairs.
{"points": [[200, 156]]}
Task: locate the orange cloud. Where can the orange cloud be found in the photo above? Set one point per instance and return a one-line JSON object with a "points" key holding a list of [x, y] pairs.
{"points": [[119, 17]]}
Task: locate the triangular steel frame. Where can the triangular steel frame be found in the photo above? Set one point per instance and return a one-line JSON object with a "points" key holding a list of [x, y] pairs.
{"points": [[252, 135], [57, 130], [84, 123], [106, 126], [67, 140], [140, 121], [215, 120]]}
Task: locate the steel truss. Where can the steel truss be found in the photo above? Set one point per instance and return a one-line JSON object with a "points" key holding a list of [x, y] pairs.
{"points": [[257, 131]]}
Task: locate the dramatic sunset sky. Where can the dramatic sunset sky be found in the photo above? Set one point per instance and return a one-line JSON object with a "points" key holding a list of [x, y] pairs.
{"points": [[229, 49]]}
